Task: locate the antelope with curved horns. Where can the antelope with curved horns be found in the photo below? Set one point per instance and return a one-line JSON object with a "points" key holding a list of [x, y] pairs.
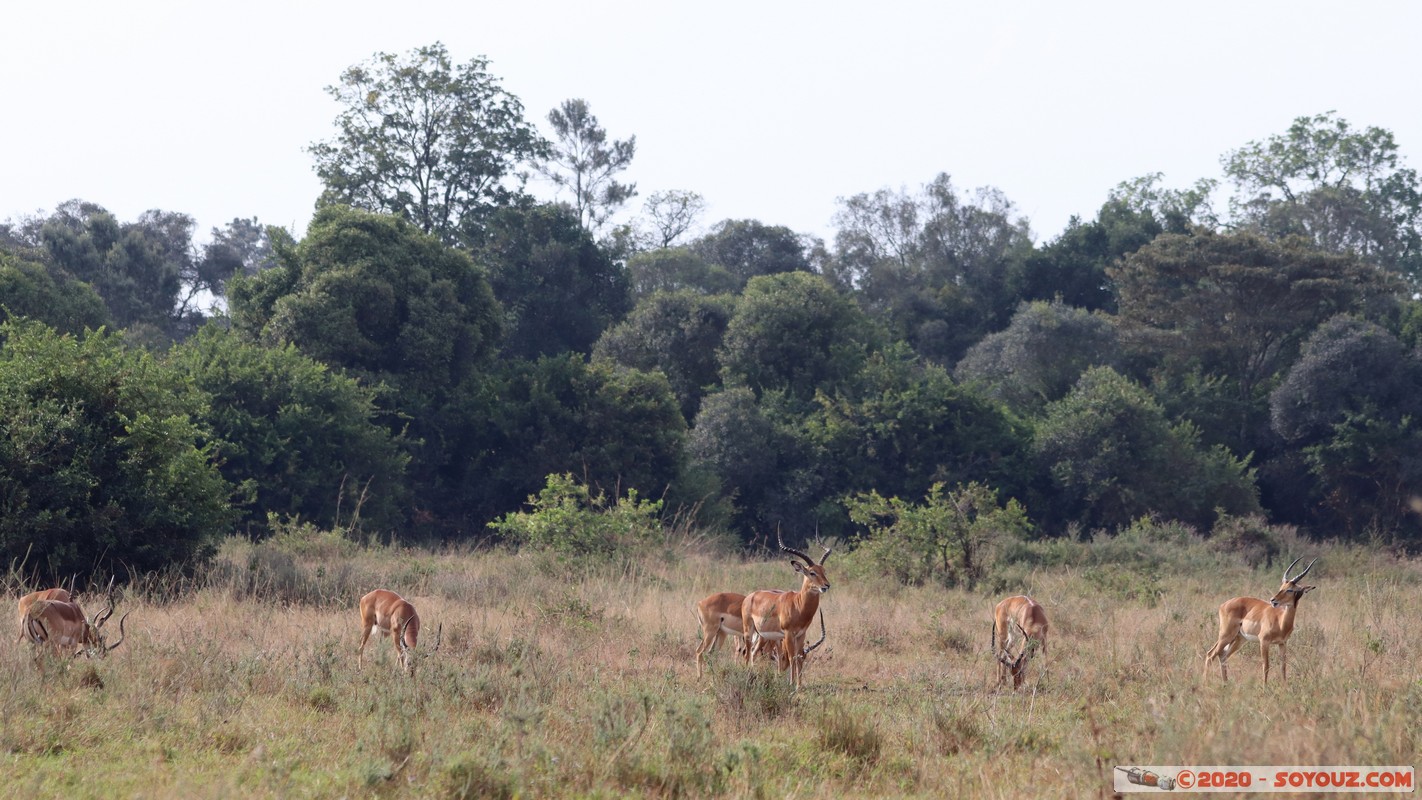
{"points": [[62, 624], [1269, 622], [771, 615], [390, 614]]}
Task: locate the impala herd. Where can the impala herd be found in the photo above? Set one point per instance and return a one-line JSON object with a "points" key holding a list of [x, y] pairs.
{"points": [[779, 617]]}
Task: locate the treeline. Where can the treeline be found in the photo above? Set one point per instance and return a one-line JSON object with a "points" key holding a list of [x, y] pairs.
{"points": [[439, 343]]}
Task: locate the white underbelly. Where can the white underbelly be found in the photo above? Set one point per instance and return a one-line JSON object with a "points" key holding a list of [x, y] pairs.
{"points": [[771, 636]]}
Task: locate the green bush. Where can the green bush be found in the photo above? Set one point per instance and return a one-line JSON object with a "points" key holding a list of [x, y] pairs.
{"points": [[952, 538], [570, 519], [103, 461]]}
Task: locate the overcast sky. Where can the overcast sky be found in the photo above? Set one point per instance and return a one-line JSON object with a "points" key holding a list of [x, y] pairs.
{"points": [[770, 110]]}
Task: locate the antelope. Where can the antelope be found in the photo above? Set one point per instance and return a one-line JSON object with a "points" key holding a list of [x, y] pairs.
{"points": [[33, 597], [772, 615], [1266, 621], [61, 624], [1030, 620], [720, 616], [389, 613]]}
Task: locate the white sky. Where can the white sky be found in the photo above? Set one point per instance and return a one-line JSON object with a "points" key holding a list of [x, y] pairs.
{"points": [[771, 110]]}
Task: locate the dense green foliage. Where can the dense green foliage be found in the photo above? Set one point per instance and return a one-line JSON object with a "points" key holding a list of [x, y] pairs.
{"points": [[437, 344], [105, 464], [298, 438]]}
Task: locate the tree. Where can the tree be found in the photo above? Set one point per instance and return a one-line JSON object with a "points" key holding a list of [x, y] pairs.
{"points": [[559, 290], [747, 248], [1350, 406], [1072, 268], [677, 334], [104, 464], [139, 269], [27, 289], [1236, 307], [583, 161], [1346, 190], [615, 428], [937, 266], [677, 269], [1040, 355], [300, 439], [793, 333], [748, 457], [903, 425], [671, 215], [372, 295], [1174, 210], [1113, 456], [241, 247], [420, 137], [391, 306]]}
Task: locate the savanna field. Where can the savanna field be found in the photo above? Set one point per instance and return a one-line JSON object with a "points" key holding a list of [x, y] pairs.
{"points": [[557, 678]]}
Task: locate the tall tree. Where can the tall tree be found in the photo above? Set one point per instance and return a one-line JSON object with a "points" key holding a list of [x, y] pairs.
{"points": [[583, 161], [1040, 355], [1113, 456], [28, 289], [1345, 189], [746, 248], [425, 139], [937, 265], [559, 290], [1351, 407], [671, 215], [794, 333], [677, 333], [1237, 307]]}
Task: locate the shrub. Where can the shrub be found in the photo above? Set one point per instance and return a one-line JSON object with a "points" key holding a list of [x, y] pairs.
{"points": [[572, 520]]}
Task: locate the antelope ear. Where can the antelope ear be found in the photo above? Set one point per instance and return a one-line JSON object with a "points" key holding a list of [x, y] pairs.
{"points": [[798, 566], [1303, 590]]}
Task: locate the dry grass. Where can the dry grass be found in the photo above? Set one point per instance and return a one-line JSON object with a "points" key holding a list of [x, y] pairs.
{"points": [[558, 680]]}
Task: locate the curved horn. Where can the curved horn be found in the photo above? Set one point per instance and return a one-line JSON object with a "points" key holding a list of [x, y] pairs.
{"points": [[103, 616], [808, 561], [826, 555], [823, 634], [400, 638], [109, 648], [1301, 575]]}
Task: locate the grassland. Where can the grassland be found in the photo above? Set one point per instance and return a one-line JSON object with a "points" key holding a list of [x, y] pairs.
{"points": [[575, 680]]}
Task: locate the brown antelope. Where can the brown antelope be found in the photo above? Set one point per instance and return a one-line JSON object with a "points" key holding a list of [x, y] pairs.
{"points": [[1030, 620], [31, 598], [720, 616], [61, 624], [1267, 621], [784, 617], [388, 613]]}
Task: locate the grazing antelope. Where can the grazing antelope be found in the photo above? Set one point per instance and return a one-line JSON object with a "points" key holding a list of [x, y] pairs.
{"points": [[33, 597], [773, 615], [389, 613], [1030, 620], [61, 624], [1266, 621]]}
